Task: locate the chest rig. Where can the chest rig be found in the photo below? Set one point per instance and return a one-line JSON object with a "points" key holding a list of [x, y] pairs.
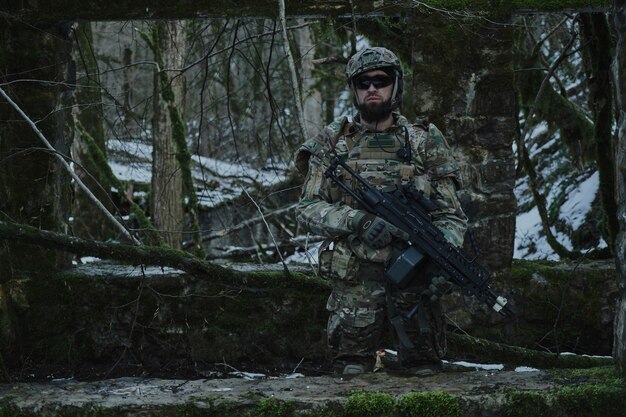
{"points": [[385, 159]]}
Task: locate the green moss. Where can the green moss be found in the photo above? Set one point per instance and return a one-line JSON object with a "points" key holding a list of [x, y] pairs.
{"points": [[369, 404], [559, 299], [322, 412], [599, 373], [428, 404], [526, 404], [590, 400], [150, 235], [580, 393], [8, 410], [98, 163], [271, 407], [278, 279]]}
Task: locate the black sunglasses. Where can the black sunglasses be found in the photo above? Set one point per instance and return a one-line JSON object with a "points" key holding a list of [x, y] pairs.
{"points": [[378, 82]]}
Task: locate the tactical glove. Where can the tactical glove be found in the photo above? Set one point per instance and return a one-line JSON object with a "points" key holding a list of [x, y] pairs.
{"points": [[374, 231], [438, 287]]}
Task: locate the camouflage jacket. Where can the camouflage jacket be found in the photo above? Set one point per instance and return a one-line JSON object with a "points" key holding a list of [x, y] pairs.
{"points": [[325, 210]]}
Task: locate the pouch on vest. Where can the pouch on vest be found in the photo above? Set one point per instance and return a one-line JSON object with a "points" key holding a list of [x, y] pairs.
{"points": [[338, 262]]}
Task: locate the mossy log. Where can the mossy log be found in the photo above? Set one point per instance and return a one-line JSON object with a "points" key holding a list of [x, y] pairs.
{"points": [[467, 346], [140, 254]]}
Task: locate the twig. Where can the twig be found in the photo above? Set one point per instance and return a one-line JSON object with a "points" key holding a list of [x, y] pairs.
{"points": [[132, 327], [544, 83], [297, 366], [233, 252], [549, 34], [224, 364], [227, 231], [269, 230], [61, 159], [330, 60], [306, 252]]}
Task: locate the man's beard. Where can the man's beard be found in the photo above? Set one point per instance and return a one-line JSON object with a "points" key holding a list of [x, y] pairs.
{"points": [[375, 112]]}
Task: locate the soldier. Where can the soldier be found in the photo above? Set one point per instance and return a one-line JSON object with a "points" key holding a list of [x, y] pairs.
{"points": [[386, 149]]}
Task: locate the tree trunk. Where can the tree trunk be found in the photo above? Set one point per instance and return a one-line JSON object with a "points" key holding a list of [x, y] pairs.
{"points": [[89, 149], [34, 188], [619, 76], [310, 91], [167, 190], [597, 51]]}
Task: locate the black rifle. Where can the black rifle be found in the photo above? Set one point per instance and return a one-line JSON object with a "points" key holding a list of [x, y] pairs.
{"points": [[408, 209]]}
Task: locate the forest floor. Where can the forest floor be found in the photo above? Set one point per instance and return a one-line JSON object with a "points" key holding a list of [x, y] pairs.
{"points": [[474, 385]]}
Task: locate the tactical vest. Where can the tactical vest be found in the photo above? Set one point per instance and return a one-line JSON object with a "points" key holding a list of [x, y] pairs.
{"points": [[382, 158]]}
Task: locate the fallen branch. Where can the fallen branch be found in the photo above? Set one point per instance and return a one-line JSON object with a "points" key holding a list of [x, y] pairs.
{"points": [[336, 59], [487, 351], [147, 255], [286, 246], [245, 224]]}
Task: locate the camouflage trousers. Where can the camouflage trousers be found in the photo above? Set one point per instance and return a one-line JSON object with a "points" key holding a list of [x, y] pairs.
{"points": [[358, 323]]}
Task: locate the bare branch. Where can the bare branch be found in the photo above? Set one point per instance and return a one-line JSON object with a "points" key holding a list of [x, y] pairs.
{"points": [[269, 230], [331, 60], [246, 223], [61, 159]]}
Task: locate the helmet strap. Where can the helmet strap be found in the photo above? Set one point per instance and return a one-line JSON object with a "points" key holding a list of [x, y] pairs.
{"points": [[395, 102]]}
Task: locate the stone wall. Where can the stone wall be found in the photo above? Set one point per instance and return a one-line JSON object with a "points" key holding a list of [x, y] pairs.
{"points": [[462, 80]]}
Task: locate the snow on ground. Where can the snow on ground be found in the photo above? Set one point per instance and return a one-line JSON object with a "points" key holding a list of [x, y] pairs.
{"points": [[217, 181], [578, 203], [530, 241], [136, 172], [309, 256]]}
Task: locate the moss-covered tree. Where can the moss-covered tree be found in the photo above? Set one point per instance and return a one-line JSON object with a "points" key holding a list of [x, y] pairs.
{"points": [[171, 170], [619, 346], [34, 189], [598, 54], [89, 149]]}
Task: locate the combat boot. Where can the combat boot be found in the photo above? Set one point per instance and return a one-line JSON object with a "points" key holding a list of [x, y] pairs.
{"points": [[353, 369], [424, 369]]}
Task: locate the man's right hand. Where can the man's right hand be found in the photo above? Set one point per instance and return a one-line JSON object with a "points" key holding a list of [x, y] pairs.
{"points": [[374, 231]]}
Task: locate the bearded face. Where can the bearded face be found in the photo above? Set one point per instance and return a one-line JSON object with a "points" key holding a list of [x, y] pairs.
{"points": [[374, 111], [373, 91]]}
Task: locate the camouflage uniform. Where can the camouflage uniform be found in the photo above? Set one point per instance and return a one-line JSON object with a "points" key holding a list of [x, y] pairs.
{"points": [[357, 304]]}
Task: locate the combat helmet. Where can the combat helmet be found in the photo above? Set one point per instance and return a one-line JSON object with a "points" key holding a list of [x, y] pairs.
{"points": [[372, 58]]}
